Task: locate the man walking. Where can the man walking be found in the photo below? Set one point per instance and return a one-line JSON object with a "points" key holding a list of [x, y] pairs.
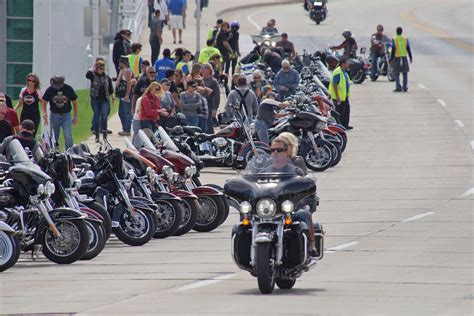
{"points": [[155, 36], [60, 95], [339, 89], [400, 50], [177, 10]]}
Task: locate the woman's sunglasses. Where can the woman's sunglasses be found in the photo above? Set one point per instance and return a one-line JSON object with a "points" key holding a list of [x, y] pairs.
{"points": [[277, 150]]}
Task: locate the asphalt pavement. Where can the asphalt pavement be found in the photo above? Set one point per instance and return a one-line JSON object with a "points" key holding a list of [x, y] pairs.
{"points": [[397, 210]]}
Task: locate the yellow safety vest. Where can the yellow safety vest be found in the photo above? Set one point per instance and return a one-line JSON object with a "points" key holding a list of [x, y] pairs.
{"points": [[341, 87], [400, 45], [206, 54], [180, 66], [134, 61]]}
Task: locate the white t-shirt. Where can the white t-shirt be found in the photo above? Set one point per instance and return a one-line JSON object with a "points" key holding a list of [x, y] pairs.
{"points": [[138, 109]]}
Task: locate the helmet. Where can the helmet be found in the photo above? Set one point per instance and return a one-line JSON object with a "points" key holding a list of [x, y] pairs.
{"points": [[235, 24], [332, 58], [57, 81], [177, 130], [347, 33]]}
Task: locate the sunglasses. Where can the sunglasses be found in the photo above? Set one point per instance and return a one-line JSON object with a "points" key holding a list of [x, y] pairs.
{"points": [[152, 72], [278, 150], [31, 80], [157, 89]]}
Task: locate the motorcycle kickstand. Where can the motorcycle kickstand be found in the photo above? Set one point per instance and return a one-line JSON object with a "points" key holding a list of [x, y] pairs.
{"points": [[36, 250]]}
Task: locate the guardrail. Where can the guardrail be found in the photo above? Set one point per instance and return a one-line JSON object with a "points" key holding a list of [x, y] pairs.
{"points": [[134, 14]]}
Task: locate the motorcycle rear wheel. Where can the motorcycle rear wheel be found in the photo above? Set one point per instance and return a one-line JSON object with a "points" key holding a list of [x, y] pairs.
{"points": [[358, 77], [171, 216], [190, 211], [9, 250], [265, 275]]}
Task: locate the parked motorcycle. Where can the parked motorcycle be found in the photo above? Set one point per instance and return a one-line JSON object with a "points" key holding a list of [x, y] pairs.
{"points": [[268, 242], [9, 244]]}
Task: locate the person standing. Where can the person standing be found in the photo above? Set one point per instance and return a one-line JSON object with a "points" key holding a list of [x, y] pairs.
{"points": [[60, 96], [150, 109], [100, 92], [135, 60], [121, 47], [164, 15], [286, 80], [177, 10], [5, 127], [213, 98], [212, 33], [29, 100], [377, 49], [234, 36], [164, 64], [339, 89], [191, 103], [242, 97], [151, 9], [185, 64], [400, 50], [170, 75], [167, 102], [123, 90], [203, 113], [11, 116], [222, 44], [267, 112], [156, 38], [207, 52]]}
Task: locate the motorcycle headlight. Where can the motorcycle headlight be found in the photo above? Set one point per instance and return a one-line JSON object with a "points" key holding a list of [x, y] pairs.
{"points": [[77, 184], [131, 175], [245, 207], [167, 172], [188, 172], [151, 175], [41, 189], [287, 206], [266, 208], [49, 188], [175, 177], [194, 169]]}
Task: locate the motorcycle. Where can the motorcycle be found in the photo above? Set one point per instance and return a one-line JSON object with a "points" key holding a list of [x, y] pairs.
{"points": [[384, 67], [9, 244], [269, 242], [318, 12]]}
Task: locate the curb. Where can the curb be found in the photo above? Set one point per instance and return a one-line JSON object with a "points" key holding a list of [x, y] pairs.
{"points": [[255, 5]]}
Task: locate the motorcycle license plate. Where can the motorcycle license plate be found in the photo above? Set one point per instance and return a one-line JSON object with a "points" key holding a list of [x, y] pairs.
{"points": [[317, 3]]}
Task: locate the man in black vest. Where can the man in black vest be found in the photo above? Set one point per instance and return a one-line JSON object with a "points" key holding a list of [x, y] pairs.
{"points": [[26, 137]]}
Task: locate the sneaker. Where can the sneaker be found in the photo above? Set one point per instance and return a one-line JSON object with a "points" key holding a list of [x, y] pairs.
{"points": [[108, 131], [397, 90], [405, 89], [174, 42], [123, 133], [180, 41], [313, 252], [97, 140]]}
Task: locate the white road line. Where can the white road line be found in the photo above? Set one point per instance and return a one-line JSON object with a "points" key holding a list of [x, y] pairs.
{"points": [[342, 246], [249, 18], [413, 218], [472, 145], [459, 124], [421, 86], [203, 283], [468, 192], [443, 104]]}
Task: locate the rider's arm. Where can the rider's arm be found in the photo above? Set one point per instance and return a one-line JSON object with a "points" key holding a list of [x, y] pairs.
{"points": [[409, 51]]}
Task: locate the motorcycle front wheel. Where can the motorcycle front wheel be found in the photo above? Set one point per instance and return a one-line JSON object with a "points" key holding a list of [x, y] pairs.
{"points": [[319, 159], [265, 275], [211, 214], [70, 246], [169, 218], [137, 229], [9, 250]]}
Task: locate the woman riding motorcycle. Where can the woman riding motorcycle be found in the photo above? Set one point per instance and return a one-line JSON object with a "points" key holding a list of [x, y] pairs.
{"points": [[349, 45]]}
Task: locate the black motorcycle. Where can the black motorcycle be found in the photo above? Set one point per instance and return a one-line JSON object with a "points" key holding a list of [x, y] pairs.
{"points": [[271, 242], [318, 12]]}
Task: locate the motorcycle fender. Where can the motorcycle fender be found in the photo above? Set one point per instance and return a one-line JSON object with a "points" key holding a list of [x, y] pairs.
{"points": [[120, 208], [263, 237], [184, 194], [335, 129], [85, 199], [99, 195], [142, 203], [164, 196], [59, 214], [95, 215], [4, 227], [204, 190]]}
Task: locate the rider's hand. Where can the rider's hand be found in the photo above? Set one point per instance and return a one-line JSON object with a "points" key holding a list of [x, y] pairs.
{"points": [[75, 121], [338, 100]]}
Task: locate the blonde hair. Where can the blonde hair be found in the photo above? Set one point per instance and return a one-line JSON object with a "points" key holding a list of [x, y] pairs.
{"points": [[150, 89], [284, 142], [292, 142], [37, 80]]}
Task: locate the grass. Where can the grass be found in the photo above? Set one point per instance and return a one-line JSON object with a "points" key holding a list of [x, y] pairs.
{"points": [[82, 131]]}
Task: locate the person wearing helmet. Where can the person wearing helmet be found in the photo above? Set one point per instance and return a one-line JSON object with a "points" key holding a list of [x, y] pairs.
{"points": [[332, 61], [349, 45], [59, 96], [234, 44]]}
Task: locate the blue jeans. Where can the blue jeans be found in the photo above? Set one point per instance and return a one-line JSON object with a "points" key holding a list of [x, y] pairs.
{"points": [[63, 121], [125, 115], [193, 120], [373, 68], [101, 110], [262, 131], [203, 124], [397, 81], [210, 124]]}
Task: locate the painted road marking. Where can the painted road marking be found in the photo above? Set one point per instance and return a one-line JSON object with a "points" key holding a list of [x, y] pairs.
{"points": [[468, 192], [422, 86], [342, 246], [249, 18], [408, 15], [203, 283], [472, 145], [443, 104], [459, 124], [414, 218]]}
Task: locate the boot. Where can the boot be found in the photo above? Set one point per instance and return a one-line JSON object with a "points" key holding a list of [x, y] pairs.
{"points": [[97, 140], [313, 251], [104, 134]]}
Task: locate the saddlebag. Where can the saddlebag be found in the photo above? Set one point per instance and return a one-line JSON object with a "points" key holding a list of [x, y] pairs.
{"points": [[241, 243], [294, 251]]}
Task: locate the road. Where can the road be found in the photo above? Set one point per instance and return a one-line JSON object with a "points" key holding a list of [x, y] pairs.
{"points": [[398, 209]]}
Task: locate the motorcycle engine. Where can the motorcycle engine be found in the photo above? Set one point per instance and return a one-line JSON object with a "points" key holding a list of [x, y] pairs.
{"points": [[220, 142]]}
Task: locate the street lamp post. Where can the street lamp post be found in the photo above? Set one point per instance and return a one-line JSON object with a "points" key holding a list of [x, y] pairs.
{"points": [[198, 26]]}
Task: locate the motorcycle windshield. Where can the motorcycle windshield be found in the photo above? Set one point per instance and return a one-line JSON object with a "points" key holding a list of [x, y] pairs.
{"points": [[17, 152], [141, 140], [167, 142], [129, 145], [277, 165]]}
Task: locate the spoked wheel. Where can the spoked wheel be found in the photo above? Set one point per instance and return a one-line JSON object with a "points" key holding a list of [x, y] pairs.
{"points": [[320, 158], [358, 76], [169, 218], [136, 229], [96, 240], [9, 250], [336, 154], [285, 284], [265, 275], [70, 246], [211, 213], [190, 213]]}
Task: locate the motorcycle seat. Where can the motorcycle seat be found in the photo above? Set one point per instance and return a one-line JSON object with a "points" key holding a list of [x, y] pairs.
{"points": [[192, 130], [203, 136]]}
